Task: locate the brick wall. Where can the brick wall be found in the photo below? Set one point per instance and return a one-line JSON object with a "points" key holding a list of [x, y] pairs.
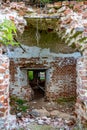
{"points": [[81, 104], [4, 88], [60, 77], [63, 78]]}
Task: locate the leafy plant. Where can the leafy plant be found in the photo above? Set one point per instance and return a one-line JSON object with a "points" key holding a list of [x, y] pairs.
{"points": [[7, 32], [18, 104], [45, 1], [24, 108], [20, 101], [21, 106]]}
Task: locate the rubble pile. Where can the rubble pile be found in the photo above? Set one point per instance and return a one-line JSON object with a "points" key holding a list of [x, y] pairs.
{"points": [[70, 26], [36, 117]]}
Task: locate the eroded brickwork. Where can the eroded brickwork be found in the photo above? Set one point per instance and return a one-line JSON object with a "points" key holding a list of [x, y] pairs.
{"points": [[81, 104], [60, 76], [4, 88], [63, 79]]}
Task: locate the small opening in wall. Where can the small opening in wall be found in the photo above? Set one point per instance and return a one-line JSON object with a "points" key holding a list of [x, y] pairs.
{"points": [[37, 81]]}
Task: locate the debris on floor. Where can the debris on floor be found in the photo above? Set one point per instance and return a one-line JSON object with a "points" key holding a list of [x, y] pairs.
{"points": [[46, 116]]}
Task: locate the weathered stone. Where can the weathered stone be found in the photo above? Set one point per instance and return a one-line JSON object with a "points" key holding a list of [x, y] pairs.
{"points": [[56, 113], [61, 73], [52, 10], [62, 68], [49, 6], [57, 4], [40, 122], [19, 115], [42, 112], [34, 113]]}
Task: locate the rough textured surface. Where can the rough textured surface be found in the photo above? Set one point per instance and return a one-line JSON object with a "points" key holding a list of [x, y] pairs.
{"points": [[4, 89], [60, 73], [81, 104], [72, 27], [47, 38]]}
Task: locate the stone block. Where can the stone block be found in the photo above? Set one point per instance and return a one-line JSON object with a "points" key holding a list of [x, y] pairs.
{"points": [[85, 2], [1, 98], [84, 77], [1, 81], [1, 114], [57, 4], [2, 69]]}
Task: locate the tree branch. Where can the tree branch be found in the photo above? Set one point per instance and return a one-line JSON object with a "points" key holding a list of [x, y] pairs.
{"points": [[19, 45]]}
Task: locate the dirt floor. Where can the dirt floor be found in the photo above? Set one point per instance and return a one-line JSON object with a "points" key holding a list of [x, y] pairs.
{"points": [[67, 107], [44, 115]]}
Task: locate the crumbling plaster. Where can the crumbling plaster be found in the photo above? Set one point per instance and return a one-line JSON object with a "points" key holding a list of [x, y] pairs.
{"points": [[72, 20], [60, 74]]}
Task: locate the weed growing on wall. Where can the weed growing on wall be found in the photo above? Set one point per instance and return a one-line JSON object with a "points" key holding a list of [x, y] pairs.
{"points": [[7, 32]]}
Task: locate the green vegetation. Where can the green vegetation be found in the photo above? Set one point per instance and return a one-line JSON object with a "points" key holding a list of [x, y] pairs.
{"points": [[65, 99], [42, 127], [45, 1], [7, 32], [18, 105], [76, 34], [82, 39], [30, 75]]}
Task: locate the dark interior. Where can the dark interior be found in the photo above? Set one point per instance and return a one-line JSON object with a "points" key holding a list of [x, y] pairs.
{"points": [[37, 78]]}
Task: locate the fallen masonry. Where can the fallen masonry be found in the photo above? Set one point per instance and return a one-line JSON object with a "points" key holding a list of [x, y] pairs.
{"points": [[72, 79]]}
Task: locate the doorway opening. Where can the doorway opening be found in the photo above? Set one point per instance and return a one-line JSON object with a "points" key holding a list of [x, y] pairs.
{"points": [[37, 81]]}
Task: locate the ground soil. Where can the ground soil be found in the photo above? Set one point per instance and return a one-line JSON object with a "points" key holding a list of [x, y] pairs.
{"points": [[67, 107]]}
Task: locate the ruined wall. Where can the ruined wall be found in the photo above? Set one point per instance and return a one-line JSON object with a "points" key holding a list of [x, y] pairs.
{"points": [[81, 104], [4, 89], [19, 83], [63, 78], [60, 74]]}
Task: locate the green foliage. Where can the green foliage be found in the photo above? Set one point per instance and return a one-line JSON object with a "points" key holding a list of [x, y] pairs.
{"points": [[20, 101], [30, 75], [76, 34], [22, 108], [7, 32], [18, 105], [65, 99], [82, 39], [45, 1]]}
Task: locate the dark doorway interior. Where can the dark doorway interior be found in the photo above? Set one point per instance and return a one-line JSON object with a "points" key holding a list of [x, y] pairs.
{"points": [[37, 78]]}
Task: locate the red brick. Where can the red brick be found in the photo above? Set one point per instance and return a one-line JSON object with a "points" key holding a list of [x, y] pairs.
{"points": [[1, 81], [57, 4], [82, 92], [67, 11], [1, 92], [2, 98], [3, 86], [2, 70], [5, 65], [85, 2], [6, 76], [2, 110], [83, 77], [1, 114]]}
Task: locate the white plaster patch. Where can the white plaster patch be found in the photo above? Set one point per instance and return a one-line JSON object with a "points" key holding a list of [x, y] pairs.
{"points": [[38, 52]]}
